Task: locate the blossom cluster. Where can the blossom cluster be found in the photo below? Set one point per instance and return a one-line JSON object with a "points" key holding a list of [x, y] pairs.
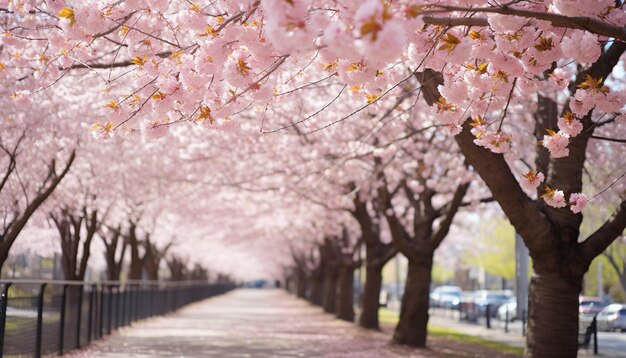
{"points": [[215, 63]]}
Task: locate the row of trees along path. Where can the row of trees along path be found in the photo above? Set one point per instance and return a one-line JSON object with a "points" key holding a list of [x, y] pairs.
{"points": [[271, 137]]}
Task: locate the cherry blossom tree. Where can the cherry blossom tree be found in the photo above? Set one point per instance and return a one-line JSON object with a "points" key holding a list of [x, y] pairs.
{"points": [[28, 179], [499, 77]]}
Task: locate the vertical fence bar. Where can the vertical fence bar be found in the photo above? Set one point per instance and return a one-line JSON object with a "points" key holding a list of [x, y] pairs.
{"points": [[110, 309], [4, 300], [62, 319], [594, 329], [141, 307], [153, 292], [126, 307], [39, 320], [117, 307], [79, 314], [90, 316], [101, 311], [131, 304]]}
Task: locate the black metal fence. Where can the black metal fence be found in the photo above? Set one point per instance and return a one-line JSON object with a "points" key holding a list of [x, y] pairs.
{"points": [[52, 317]]}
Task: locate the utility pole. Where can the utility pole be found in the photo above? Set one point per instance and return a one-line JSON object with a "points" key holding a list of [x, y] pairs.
{"points": [[521, 275]]}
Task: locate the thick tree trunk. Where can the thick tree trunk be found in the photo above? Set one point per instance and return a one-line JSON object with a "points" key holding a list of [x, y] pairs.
{"points": [[330, 290], [178, 270], [301, 285], [317, 290], [136, 264], [371, 297], [345, 288], [411, 329], [552, 317]]}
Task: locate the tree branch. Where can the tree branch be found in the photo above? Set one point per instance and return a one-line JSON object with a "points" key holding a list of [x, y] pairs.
{"points": [[578, 22], [444, 225], [606, 234], [19, 224], [522, 211]]}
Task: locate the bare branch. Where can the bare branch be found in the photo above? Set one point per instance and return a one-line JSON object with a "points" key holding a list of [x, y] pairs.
{"points": [[606, 234]]}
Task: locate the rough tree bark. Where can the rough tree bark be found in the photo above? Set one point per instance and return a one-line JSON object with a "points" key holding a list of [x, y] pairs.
{"points": [[111, 240], [345, 287], [377, 254], [70, 227], [300, 275], [316, 278], [136, 260], [178, 270], [152, 258], [412, 326], [330, 275]]}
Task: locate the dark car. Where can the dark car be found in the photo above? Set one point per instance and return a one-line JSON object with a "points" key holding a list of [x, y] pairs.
{"points": [[446, 297], [590, 305], [480, 300]]}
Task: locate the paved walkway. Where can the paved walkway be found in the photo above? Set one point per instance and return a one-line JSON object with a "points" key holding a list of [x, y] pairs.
{"points": [[611, 345], [271, 323], [247, 323]]}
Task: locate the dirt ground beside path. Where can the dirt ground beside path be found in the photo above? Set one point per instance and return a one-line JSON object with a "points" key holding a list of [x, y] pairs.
{"points": [[260, 324]]}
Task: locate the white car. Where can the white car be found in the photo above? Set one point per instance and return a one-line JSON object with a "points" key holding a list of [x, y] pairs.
{"points": [[508, 310], [612, 318]]}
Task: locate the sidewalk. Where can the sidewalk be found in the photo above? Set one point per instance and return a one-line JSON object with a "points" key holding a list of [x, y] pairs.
{"points": [[247, 323], [514, 337], [271, 323]]}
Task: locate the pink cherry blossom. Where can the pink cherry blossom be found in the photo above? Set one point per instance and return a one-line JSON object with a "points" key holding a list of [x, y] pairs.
{"points": [[556, 143], [531, 180], [554, 198], [577, 202], [570, 125]]}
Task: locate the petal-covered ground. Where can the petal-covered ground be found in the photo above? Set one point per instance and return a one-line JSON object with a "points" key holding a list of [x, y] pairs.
{"points": [[261, 323]]}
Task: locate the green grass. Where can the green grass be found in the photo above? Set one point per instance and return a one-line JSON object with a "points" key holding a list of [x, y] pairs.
{"points": [[387, 316], [456, 335]]}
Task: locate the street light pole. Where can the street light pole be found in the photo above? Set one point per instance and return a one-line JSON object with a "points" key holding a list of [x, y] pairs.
{"points": [[521, 275]]}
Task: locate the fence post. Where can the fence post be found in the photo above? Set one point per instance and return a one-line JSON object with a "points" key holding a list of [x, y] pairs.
{"points": [[117, 307], [110, 309], [506, 319], [151, 295], [79, 315], [101, 322], [39, 320], [133, 303], [62, 320], [125, 306], [523, 322], [488, 315], [90, 317], [594, 330], [4, 300]]}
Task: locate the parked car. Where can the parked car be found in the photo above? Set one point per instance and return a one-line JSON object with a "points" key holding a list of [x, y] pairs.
{"points": [[508, 310], [446, 297], [612, 318], [590, 305], [483, 298]]}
